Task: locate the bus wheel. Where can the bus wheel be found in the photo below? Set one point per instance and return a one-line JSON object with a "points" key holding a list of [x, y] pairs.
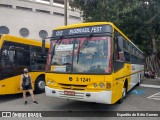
{"points": [[139, 82], [40, 85], [124, 92]]}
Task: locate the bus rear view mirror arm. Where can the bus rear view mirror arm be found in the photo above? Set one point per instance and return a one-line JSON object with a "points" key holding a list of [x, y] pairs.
{"points": [[44, 42], [43, 45]]}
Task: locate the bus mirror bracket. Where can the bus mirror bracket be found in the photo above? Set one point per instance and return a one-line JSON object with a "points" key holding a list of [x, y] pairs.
{"points": [[43, 45]]}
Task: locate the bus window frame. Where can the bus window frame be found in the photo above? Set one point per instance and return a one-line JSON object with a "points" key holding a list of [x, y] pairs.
{"points": [[77, 36], [5, 43], [11, 43]]}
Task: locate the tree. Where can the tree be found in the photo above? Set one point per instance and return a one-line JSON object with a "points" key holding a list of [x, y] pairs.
{"points": [[138, 19]]}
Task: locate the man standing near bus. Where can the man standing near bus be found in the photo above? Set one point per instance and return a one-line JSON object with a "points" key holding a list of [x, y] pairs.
{"points": [[26, 84]]}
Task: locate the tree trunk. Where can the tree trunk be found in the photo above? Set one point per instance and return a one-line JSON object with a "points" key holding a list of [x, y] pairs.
{"points": [[152, 62], [154, 44]]}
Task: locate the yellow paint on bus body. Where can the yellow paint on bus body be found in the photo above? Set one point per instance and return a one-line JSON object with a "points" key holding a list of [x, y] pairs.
{"points": [[12, 85], [116, 85]]}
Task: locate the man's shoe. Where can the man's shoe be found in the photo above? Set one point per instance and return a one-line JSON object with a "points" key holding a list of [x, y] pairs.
{"points": [[35, 102], [25, 102]]}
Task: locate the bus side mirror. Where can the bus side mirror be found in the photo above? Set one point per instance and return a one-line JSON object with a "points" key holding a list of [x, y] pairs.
{"points": [[43, 45]]}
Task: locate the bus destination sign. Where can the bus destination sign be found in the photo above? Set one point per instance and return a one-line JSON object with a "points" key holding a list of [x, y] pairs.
{"points": [[82, 30]]}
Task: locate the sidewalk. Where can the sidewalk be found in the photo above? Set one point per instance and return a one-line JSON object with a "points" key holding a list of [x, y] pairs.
{"points": [[154, 83]]}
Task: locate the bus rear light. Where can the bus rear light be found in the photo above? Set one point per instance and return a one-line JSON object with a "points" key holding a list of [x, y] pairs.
{"points": [[2, 85], [108, 85]]}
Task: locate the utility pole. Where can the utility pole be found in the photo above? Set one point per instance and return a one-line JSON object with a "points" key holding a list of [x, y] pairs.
{"points": [[65, 11]]}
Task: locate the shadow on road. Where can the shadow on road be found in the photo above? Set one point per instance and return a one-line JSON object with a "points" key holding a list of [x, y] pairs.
{"points": [[10, 97], [6, 98], [72, 105]]}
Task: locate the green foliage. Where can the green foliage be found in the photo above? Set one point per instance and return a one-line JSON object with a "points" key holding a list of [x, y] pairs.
{"points": [[138, 19]]}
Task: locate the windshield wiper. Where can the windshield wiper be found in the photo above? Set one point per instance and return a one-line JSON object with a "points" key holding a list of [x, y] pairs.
{"points": [[86, 41], [58, 41]]}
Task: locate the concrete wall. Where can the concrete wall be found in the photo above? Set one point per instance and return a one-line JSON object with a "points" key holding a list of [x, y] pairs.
{"points": [[34, 21]]}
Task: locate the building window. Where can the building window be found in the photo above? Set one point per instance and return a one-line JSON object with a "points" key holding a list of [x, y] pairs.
{"points": [[24, 32], [43, 11], [43, 34], [5, 5], [59, 1], [74, 17], [4, 30], [45, 0], [24, 8], [56, 13]]}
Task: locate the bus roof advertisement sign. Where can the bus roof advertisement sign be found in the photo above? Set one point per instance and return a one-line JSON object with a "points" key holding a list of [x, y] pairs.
{"points": [[83, 30]]}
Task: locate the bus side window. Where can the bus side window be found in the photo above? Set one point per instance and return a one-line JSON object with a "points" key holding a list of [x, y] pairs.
{"points": [[118, 47], [38, 59], [116, 56], [22, 58], [7, 57]]}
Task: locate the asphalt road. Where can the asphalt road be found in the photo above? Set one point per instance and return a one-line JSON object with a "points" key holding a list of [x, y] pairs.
{"points": [[136, 100]]}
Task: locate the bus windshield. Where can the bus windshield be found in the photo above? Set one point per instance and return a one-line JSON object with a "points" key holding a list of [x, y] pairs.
{"points": [[81, 55]]}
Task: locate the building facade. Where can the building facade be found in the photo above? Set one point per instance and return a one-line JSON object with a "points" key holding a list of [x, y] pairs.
{"points": [[34, 19]]}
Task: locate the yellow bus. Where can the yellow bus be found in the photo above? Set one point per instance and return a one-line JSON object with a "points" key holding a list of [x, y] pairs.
{"points": [[17, 53], [93, 62]]}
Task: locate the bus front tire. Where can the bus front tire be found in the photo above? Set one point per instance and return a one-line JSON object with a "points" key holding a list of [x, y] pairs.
{"points": [[123, 95], [40, 85]]}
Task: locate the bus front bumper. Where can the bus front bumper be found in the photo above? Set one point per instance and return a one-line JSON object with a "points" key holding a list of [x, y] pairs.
{"points": [[98, 97]]}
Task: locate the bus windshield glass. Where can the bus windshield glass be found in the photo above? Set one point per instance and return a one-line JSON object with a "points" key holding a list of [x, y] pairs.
{"points": [[81, 55]]}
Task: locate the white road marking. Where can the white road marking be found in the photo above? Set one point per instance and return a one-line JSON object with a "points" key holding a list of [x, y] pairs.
{"points": [[155, 96], [151, 86]]}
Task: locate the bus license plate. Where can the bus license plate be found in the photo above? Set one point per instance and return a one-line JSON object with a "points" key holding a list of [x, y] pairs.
{"points": [[72, 93]]}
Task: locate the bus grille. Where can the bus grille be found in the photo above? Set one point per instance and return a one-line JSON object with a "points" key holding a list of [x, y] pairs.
{"points": [[72, 87]]}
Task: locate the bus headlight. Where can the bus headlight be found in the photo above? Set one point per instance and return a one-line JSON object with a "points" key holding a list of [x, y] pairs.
{"points": [[95, 85], [52, 82], [48, 81], [102, 85]]}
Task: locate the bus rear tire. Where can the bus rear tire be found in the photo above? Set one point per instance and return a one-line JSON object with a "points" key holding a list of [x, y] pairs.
{"points": [[40, 85], [139, 82]]}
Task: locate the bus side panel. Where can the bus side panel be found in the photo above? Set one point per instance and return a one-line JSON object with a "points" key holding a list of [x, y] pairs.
{"points": [[12, 85], [137, 74], [8, 85], [119, 80]]}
